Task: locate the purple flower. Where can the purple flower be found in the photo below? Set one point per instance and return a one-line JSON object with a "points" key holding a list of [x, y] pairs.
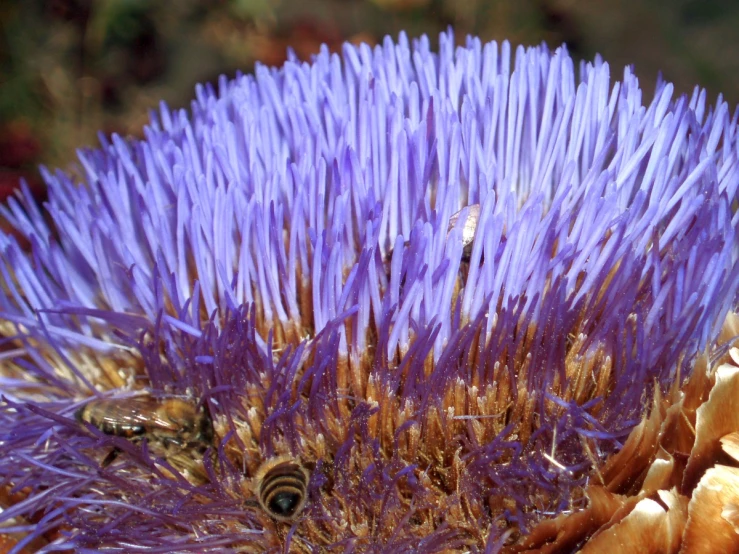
{"points": [[282, 256]]}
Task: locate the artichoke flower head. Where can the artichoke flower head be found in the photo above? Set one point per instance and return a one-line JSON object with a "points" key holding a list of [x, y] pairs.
{"points": [[390, 300]]}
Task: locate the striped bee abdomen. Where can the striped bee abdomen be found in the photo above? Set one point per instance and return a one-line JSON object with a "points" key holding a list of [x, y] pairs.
{"points": [[282, 488]]}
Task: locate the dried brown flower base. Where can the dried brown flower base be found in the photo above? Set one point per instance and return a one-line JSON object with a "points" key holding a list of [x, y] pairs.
{"points": [[674, 487]]}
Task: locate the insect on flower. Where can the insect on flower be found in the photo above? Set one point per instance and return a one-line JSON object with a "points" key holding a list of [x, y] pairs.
{"points": [[469, 229], [281, 486], [468, 232], [166, 421]]}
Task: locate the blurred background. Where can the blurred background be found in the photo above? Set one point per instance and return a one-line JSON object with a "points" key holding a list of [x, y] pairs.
{"points": [[69, 68]]}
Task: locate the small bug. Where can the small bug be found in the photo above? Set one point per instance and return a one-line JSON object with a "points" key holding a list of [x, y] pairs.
{"points": [[167, 420], [468, 232], [281, 487], [469, 229], [176, 428]]}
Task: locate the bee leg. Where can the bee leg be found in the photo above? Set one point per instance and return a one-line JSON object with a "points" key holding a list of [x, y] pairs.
{"points": [[112, 455]]}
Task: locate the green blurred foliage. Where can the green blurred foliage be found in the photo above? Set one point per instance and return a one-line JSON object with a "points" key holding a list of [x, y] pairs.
{"points": [[69, 68]]}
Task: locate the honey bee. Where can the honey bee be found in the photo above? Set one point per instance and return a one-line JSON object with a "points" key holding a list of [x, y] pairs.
{"points": [[281, 487], [167, 421]]}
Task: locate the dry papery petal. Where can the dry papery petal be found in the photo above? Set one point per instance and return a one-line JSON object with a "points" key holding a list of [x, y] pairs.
{"points": [[729, 332], [624, 469], [663, 474], [730, 445], [731, 514], [677, 435], [651, 463], [567, 531], [712, 519], [652, 526], [734, 356], [643, 464], [667, 429], [718, 417], [694, 393]]}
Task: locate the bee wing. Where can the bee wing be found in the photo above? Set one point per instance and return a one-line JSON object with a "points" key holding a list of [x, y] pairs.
{"points": [[154, 415], [135, 413], [115, 417]]}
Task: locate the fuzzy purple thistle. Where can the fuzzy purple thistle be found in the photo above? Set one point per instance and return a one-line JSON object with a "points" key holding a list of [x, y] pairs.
{"points": [[281, 255]]}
